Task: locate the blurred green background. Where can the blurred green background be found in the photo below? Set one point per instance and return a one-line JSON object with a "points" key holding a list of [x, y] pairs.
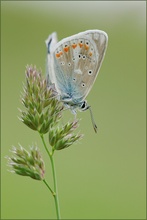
{"points": [[103, 176]]}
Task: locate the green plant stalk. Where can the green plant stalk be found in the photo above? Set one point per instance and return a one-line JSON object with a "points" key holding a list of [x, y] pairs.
{"points": [[55, 188], [55, 193]]}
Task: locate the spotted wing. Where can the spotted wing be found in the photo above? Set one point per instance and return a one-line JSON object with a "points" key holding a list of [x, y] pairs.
{"points": [[50, 44], [76, 62]]}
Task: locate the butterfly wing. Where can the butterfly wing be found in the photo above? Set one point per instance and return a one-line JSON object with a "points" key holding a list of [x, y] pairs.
{"points": [[75, 62], [50, 44]]}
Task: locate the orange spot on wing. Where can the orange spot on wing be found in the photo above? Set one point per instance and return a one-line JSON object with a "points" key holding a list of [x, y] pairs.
{"points": [[57, 55], [86, 47], [80, 45], [74, 46], [90, 54], [61, 53], [66, 49]]}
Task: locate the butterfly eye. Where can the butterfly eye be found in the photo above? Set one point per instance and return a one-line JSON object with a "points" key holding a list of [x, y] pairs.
{"points": [[84, 106], [89, 72]]}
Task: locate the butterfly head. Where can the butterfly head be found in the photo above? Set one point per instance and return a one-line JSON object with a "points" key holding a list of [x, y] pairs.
{"points": [[83, 106]]}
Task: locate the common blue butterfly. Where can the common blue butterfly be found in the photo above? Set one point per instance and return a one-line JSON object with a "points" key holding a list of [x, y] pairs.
{"points": [[73, 65]]}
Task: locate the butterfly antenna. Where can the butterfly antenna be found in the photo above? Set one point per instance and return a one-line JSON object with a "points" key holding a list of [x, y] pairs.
{"points": [[93, 121]]}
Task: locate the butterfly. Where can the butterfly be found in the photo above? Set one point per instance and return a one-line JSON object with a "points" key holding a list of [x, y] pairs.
{"points": [[73, 65]]}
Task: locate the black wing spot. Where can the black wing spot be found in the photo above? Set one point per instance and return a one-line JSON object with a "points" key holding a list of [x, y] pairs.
{"points": [[83, 84], [84, 57], [89, 72]]}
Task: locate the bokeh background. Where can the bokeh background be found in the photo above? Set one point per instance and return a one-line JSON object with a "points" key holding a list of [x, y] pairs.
{"points": [[102, 176]]}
